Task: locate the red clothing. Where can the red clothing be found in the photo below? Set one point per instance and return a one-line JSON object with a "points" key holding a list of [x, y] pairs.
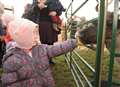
{"points": [[7, 38], [56, 19]]}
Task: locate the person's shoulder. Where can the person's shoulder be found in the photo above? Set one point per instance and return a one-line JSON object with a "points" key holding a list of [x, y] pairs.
{"points": [[41, 46], [10, 58]]}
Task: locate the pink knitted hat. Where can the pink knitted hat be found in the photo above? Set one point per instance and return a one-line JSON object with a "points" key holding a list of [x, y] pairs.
{"points": [[24, 33]]}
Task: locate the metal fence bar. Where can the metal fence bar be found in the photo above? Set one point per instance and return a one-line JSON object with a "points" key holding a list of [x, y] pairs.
{"points": [[66, 12], [77, 75], [79, 7], [100, 42], [117, 54], [76, 72], [85, 62], [74, 76], [112, 50], [80, 70]]}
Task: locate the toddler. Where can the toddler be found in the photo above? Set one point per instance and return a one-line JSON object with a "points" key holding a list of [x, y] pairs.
{"points": [[26, 62]]}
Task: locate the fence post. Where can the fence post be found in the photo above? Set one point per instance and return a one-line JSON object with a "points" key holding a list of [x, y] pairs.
{"points": [[100, 41]]}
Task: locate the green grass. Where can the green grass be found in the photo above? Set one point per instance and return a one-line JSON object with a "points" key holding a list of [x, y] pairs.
{"points": [[64, 78], [62, 74], [0, 76]]}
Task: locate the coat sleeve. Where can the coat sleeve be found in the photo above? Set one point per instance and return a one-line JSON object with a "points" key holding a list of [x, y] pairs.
{"points": [[61, 48], [55, 5], [15, 70], [10, 66]]}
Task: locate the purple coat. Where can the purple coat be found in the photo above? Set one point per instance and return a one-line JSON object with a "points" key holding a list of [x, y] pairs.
{"points": [[22, 70]]}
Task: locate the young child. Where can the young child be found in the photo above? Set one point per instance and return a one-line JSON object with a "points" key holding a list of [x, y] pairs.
{"points": [[26, 62]]}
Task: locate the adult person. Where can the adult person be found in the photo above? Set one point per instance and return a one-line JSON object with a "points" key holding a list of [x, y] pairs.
{"points": [[4, 21], [2, 43], [2, 33], [27, 8]]}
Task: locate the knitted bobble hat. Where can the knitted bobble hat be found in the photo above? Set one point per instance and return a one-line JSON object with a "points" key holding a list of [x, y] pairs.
{"points": [[23, 32]]}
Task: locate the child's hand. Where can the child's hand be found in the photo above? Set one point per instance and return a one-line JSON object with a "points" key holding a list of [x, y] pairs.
{"points": [[53, 13], [77, 37], [77, 34]]}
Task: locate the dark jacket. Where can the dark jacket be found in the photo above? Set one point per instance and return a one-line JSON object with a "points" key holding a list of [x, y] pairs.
{"points": [[2, 31], [34, 12], [2, 43], [55, 5], [48, 35]]}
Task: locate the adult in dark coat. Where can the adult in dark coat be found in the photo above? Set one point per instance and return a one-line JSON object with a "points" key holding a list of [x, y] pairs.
{"points": [[4, 21], [41, 16], [55, 5], [2, 43]]}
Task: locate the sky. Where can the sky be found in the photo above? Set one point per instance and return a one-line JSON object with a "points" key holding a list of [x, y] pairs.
{"points": [[88, 10]]}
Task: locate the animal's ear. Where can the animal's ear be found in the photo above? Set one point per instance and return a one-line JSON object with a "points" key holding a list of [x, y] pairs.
{"points": [[97, 7]]}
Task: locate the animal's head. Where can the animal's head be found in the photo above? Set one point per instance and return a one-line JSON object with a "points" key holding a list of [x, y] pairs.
{"points": [[88, 33]]}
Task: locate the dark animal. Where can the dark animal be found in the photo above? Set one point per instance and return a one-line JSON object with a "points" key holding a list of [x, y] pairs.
{"points": [[88, 34]]}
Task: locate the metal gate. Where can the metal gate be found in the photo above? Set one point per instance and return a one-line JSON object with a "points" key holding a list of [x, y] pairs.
{"points": [[76, 70]]}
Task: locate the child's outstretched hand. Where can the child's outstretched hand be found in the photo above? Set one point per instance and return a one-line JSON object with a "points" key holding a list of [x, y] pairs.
{"points": [[77, 34], [77, 37]]}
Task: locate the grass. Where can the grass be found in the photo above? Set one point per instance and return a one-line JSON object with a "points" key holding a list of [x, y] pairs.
{"points": [[62, 74], [64, 78]]}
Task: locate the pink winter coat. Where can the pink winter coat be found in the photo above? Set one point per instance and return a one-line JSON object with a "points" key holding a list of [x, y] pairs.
{"points": [[22, 70]]}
